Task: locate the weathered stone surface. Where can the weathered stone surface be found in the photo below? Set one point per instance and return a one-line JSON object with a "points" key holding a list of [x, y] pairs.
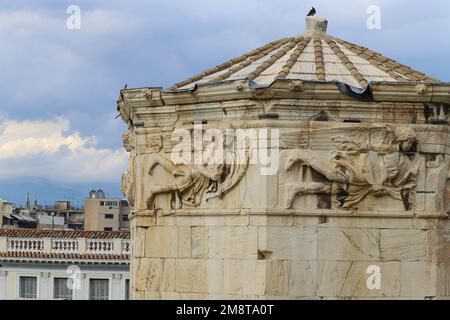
{"points": [[309, 220], [277, 278], [233, 243], [349, 279], [443, 246], [277, 221], [354, 282], [161, 242], [303, 280], [155, 274], [215, 272], [232, 297], [138, 295], [289, 243], [403, 245], [191, 276], [184, 242], [168, 242], [139, 242], [331, 276], [432, 246], [375, 222], [199, 242], [244, 277], [182, 296], [348, 244], [152, 295], [149, 271], [419, 279]]}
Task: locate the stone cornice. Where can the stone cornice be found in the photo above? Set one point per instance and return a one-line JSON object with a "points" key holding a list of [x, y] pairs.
{"points": [[401, 92], [195, 212]]}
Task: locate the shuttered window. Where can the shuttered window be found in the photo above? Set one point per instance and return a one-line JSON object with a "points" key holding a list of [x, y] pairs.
{"points": [[61, 289], [98, 289], [28, 287]]}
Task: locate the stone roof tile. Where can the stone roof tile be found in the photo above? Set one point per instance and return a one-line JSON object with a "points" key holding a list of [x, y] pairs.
{"points": [[279, 59]]}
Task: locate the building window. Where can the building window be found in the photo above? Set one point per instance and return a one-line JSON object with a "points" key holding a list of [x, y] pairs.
{"points": [[124, 203], [28, 287], [125, 218], [109, 203], [61, 289], [107, 229], [109, 216], [98, 289], [127, 289]]}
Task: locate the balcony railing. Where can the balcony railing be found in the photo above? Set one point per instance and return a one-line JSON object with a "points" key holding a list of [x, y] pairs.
{"points": [[56, 245], [65, 246], [25, 245]]}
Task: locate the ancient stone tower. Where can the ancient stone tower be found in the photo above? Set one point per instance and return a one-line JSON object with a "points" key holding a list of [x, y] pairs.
{"points": [[339, 189]]}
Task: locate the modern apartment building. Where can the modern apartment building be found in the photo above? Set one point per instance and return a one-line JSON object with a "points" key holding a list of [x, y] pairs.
{"points": [[60, 216], [105, 214], [64, 265]]}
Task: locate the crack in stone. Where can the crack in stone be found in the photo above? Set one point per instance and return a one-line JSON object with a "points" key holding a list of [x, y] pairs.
{"points": [[353, 243], [345, 278]]}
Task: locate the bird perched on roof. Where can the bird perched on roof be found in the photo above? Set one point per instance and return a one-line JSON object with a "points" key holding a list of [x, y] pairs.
{"points": [[311, 12]]}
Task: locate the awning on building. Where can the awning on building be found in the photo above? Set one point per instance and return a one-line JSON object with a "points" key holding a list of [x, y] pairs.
{"points": [[21, 217]]}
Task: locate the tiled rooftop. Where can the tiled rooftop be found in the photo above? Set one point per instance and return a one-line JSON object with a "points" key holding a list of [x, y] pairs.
{"points": [[314, 55], [36, 233], [64, 256], [33, 245]]}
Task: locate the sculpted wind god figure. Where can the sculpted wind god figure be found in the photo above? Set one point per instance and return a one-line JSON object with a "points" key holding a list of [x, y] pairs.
{"points": [[371, 160], [128, 185], [192, 181]]}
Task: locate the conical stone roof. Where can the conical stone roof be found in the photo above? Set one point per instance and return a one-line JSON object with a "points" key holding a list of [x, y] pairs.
{"points": [[314, 55]]}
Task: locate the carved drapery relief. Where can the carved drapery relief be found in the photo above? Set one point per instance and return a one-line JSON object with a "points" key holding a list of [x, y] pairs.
{"points": [[193, 183], [124, 110], [372, 160], [128, 185], [153, 142], [128, 140]]}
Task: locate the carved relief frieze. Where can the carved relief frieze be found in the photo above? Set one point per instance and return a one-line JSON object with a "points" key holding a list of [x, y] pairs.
{"points": [[193, 183], [128, 184], [365, 160]]}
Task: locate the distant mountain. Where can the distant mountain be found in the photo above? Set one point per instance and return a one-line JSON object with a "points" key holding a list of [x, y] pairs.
{"points": [[46, 192]]}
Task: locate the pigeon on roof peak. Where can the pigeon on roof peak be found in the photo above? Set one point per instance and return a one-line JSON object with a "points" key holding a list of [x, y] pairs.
{"points": [[311, 12]]}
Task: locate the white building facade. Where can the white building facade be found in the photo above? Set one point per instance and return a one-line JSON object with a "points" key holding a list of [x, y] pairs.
{"points": [[64, 265]]}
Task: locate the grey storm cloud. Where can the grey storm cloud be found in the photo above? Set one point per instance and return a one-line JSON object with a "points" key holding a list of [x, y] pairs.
{"points": [[50, 72]]}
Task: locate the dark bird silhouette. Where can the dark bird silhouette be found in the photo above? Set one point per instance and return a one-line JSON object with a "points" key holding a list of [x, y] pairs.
{"points": [[311, 12], [121, 92]]}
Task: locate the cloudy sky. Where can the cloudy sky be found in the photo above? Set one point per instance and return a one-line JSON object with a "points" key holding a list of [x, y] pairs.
{"points": [[58, 87]]}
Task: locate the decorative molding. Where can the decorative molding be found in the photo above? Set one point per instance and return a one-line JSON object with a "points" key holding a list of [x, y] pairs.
{"points": [[280, 88], [198, 212]]}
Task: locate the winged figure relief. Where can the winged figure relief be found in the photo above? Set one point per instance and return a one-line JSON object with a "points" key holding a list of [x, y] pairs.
{"points": [[195, 182], [367, 160]]}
